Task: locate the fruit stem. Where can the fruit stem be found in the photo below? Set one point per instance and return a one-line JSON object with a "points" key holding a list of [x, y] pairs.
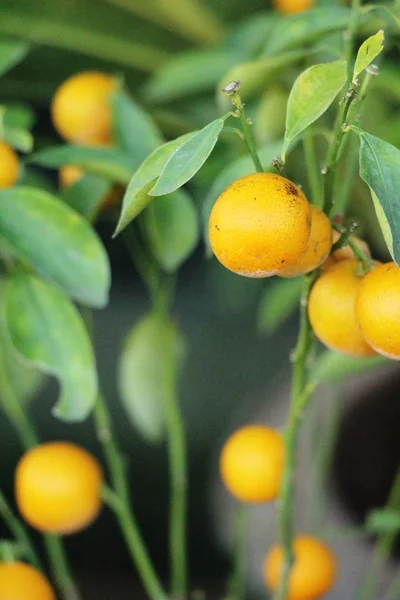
{"points": [[247, 131], [346, 239], [59, 567], [236, 584], [301, 394], [383, 548]]}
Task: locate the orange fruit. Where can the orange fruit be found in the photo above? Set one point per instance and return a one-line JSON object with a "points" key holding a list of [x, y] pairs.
{"points": [[318, 246], [290, 7], [378, 309], [57, 487], [9, 166], [70, 174], [251, 463], [20, 581], [345, 253], [259, 224], [81, 108], [331, 309], [313, 573]]}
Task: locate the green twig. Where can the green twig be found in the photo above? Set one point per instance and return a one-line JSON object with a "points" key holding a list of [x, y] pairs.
{"points": [[346, 239], [236, 586], [247, 130], [60, 568], [313, 172]]}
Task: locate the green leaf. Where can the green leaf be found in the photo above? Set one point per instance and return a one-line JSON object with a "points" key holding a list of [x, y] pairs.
{"points": [[147, 367], [279, 300], [379, 168], [57, 242], [368, 51], [172, 229], [47, 330], [381, 521], [134, 130], [306, 28], [17, 138], [136, 197], [188, 159], [332, 366], [87, 195], [312, 94], [11, 53], [106, 162], [18, 115]]}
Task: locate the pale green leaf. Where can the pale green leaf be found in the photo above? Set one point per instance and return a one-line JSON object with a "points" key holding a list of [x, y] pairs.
{"points": [[367, 53], [17, 138], [332, 366]]}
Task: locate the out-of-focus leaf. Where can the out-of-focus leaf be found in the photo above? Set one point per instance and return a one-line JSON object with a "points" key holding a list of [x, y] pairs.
{"points": [[379, 168], [368, 51], [381, 521], [87, 195], [134, 130], [106, 162], [11, 53], [18, 115], [280, 299], [57, 242], [269, 119], [47, 330], [17, 138], [147, 370], [188, 159], [136, 197], [172, 229], [248, 36], [332, 366]]}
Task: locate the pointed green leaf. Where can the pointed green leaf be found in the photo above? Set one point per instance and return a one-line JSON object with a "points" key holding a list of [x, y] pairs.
{"points": [[47, 330], [278, 303], [368, 51], [172, 229], [11, 53], [332, 366], [87, 195], [19, 115], [188, 159], [380, 168], [106, 162], [57, 242], [17, 138], [147, 369], [136, 197], [312, 94]]}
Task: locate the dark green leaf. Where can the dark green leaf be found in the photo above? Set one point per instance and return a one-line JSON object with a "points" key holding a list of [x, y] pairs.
{"points": [[188, 159], [380, 168], [57, 242], [147, 368], [106, 162], [11, 53], [332, 366], [278, 303], [136, 196], [172, 229], [134, 130], [47, 330], [381, 521], [368, 51], [87, 195]]}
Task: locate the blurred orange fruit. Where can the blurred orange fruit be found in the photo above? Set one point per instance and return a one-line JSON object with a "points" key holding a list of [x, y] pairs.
{"points": [[20, 581], [9, 166]]}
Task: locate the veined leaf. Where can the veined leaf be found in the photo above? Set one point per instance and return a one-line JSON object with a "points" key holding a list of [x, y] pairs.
{"points": [[368, 51]]}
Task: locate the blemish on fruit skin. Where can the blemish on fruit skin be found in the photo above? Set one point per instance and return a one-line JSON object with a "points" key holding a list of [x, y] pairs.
{"points": [[291, 189], [217, 228]]}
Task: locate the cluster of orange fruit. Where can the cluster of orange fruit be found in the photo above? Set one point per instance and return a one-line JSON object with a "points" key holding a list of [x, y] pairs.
{"points": [[263, 225], [58, 491]]}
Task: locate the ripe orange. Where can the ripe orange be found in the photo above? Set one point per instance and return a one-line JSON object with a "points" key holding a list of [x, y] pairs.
{"points": [[81, 109], [290, 7], [70, 174], [313, 573], [251, 463], [9, 166], [378, 309], [331, 309], [318, 246], [19, 581], [57, 487], [259, 224], [345, 253]]}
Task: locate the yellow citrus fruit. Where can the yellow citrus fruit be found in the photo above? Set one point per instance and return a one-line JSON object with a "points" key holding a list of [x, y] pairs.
{"points": [[331, 309], [318, 246], [345, 253], [378, 309], [70, 174], [251, 463], [313, 573], [19, 581], [81, 108], [57, 487], [290, 7], [9, 166], [259, 224]]}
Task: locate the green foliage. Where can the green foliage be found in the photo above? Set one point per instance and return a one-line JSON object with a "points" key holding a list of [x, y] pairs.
{"points": [[11, 53], [55, 241], [333, 367], [47, 330], [367, 53], [381, 521], [279, 301], [86, 195]]}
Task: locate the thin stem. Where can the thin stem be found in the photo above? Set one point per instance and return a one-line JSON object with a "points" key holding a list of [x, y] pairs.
{"points": [[383, 548], [59, 567], [301, 394], [19, 532], [394, 592], [237, 581], [346, 239], [247, 131], [313, 172]]}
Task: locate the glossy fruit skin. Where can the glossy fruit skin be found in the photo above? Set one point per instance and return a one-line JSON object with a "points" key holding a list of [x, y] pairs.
{"points": [[291, 7], [57, 487], [318, 246], [20, 581], [345, 253], [378, 309], [251, 463], [81, 108], [331, 310], [69, 174], [259, 224], [9, 166], [313, 573]]}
